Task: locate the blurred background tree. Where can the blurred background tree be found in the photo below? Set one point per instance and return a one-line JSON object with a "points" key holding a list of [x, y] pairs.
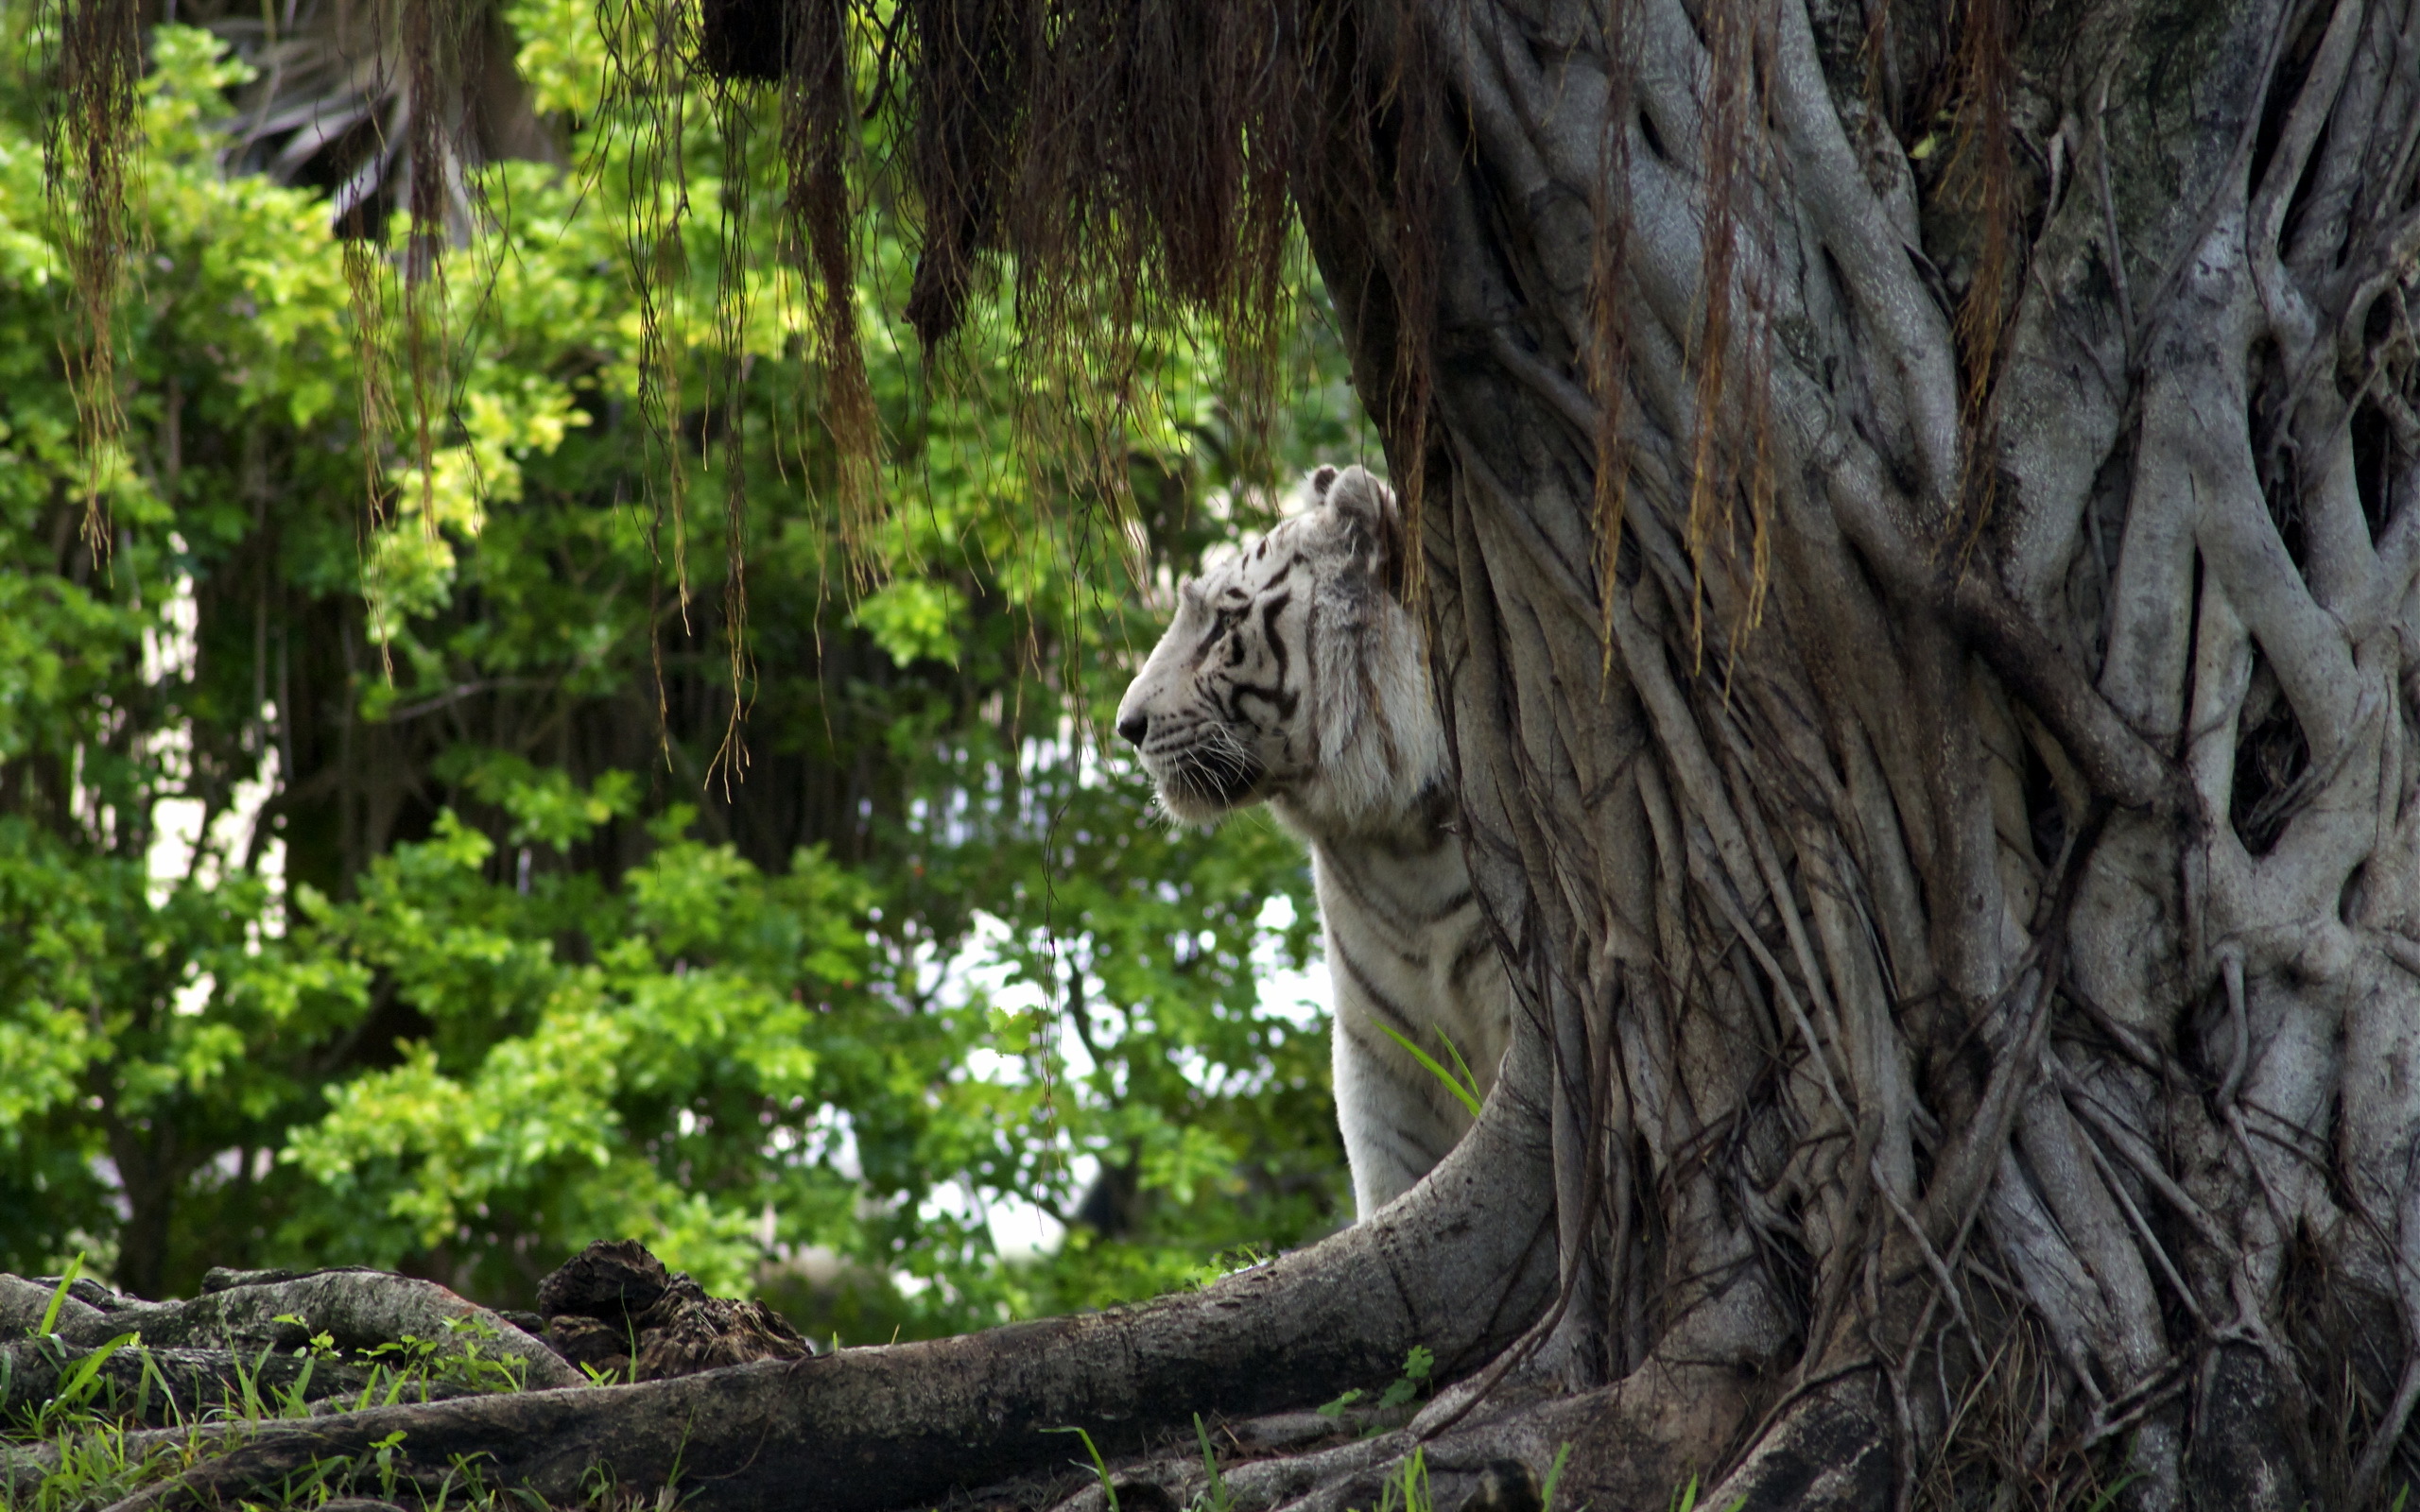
{"points": [[416, 850]]}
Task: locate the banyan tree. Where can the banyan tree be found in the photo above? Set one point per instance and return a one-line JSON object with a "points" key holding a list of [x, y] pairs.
{"points": [[1918, 522]]}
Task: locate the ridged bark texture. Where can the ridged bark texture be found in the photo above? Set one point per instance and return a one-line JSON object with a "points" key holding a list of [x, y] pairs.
{"points": [[1920, 512]]}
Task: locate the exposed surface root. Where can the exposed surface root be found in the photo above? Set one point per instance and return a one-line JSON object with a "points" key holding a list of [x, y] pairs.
{"points": [[1460, 1267]]}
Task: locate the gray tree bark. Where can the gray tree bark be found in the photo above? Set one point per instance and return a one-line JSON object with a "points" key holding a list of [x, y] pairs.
{"points": [[1959, 837]]}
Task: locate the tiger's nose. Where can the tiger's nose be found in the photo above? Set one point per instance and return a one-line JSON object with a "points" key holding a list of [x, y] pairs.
{"points": [[1133, 728]]}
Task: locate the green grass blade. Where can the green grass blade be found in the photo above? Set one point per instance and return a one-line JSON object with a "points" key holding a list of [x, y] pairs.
{"points": [[151, 1377], [1462, 1068], [1430, 1063], [80, 1380], [1100, 1466], [1554, 1478], [2108, 1498], [248, 1381], [291, 1403], [1416, 1494], [59, 1297], [1210, 1467]]}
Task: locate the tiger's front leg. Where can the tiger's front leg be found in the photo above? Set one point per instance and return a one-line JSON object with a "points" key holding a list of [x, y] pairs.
{"points": [[1397, 1118]]}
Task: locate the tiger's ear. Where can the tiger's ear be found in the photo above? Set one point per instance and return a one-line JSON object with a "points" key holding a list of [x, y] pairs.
{"points": [[1369, 509]]}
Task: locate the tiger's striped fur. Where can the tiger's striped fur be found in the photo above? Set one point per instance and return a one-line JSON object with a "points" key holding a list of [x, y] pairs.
{"points": [[1293, 673]]}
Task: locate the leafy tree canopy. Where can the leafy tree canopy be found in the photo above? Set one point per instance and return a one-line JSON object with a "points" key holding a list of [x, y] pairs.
{"points": [[416, 850]]}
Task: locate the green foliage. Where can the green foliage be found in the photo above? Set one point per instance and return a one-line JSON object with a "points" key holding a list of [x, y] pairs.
{"points": [[460, 1358], [387, 878], [1417, 1364]]}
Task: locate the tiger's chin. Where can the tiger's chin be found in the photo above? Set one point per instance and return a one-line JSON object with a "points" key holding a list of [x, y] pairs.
{"points": [[1195, 791]]}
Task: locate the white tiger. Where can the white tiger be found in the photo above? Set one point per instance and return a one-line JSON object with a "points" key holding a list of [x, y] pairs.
{"points": [[1294, 674]]}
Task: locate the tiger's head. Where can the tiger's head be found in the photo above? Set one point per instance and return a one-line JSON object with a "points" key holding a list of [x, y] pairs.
{"points": [[1294, 674]]}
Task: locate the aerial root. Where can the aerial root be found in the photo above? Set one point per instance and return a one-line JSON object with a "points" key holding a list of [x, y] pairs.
{"points": [[1634, 1443]]}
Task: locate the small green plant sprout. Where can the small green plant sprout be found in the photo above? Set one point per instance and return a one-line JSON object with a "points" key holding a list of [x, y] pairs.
{"points": [[143, 1387], [410, 1351], [1459, 1081], [1100, 1466], [320, 1346], [293, 1401], [1217, 1499], [1416, 1367], [382, 1458], [413, 1359], [601, 1488], [1336, 1408], [495, 1371]]}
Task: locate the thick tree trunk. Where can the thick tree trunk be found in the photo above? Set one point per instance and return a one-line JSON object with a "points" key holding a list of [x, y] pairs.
{"points": [[1959, 837]]}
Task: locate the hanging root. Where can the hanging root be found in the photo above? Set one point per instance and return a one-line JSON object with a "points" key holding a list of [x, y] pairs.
{"points": [[89, 154]]}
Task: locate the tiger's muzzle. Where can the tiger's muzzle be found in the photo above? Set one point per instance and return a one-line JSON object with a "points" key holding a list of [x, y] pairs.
{"points": [[1217, 781], [1200, 779]]}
